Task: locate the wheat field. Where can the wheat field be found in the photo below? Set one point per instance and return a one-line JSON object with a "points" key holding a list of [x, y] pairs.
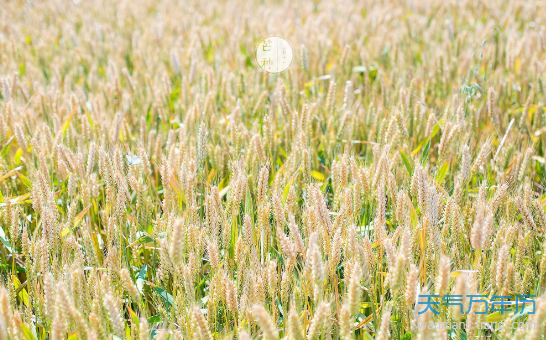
{"points": [[156, 183]]}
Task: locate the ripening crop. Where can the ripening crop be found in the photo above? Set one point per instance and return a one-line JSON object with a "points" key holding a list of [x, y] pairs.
{"points": [[156, 183]]}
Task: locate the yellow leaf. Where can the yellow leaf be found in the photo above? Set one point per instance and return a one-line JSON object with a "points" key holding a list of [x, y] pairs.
{"points": [[211, 176], [459, 272], [413, 213], [80, 215], [177, 188], [376, 244], [318, 175], [23, 293], [416, 150], [369, 318], [18, 156], [10, 173], [20, 199], [134, 317], [224, 191], [497, 316], [65, 232], [285, 191], [67, 123]]}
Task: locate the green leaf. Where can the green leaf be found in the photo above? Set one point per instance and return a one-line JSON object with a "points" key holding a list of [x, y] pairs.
{"points": [[249, 207], [201, 284], [406, 336], [175, 94], [442, 173], [145, 239], [456, 334], [424, 157], [528, 310], [406, 161], [277, 255], [5, 241], [282, 153], [154, 319], [421, 144], [140, 278], [22, 68], [436, 129], [166, 296], [5, 149], [26, 331], [279, 307], [24, 179], [142, 237], [372, 73], [233, 239], [154, 333], [7, 268]]}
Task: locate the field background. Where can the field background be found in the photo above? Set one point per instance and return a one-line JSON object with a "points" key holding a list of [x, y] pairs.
{"points": [[157, 184]]}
